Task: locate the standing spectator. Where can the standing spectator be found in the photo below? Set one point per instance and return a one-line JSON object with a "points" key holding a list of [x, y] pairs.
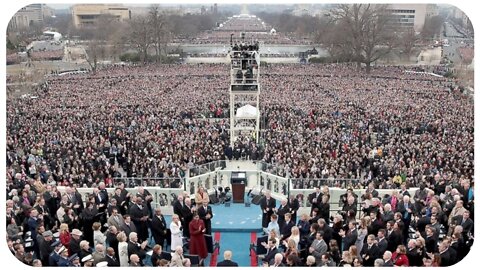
{"points": [[201, 197], [267, 204], [176, 232], [399, 257], [158, 228], [318, 248], [139, 214], [135, 248], [122, 249], [206, 214], [197, 245]]}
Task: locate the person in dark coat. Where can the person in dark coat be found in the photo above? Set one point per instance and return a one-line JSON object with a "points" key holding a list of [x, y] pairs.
{"points": [[227, 262], [286, 230], [112, 240], [197, 246], [46, 247], [281, 211], [206, 214], [315, 199], [349, 237], [324, 208], [54, 256], [88, 216], [136, 248], [382, 242], [370, 252], [140, 216], [187, 213], [76, 238], [128, 226], [111, 258], [293, 205], [267, 204], [158, 227], [414, 254], [271, 251], [156, 255]]}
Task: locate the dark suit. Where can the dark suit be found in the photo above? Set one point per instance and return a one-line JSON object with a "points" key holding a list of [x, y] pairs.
{"points": [[282, 210], [431, 244], [128, 228], [316, 204], [294, 205], [395, 239], [112, 261], [324, 211], [155, 258], [158, 227], [137, 212], [388, 264], [74, 246], [414, 257], [382, 245], [372, 253], [270, 255], [349, 239], [202, 213], [467, 225], [112, 242], [177, 209], [286, 230], [187, 217], [227, 263], [264, 205], [376, 225], [134, 248]]}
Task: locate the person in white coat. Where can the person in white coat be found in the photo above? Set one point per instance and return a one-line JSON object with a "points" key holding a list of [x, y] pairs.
{"points": [[122, 249], [176, 231], [98, 236]]}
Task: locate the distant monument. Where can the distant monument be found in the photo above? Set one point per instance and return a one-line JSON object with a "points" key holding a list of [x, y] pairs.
{"points": [[244, 9]]}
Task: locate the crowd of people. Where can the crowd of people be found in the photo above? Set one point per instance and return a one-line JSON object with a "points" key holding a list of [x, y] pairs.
{"points": [[430, 227], [388, 129]]}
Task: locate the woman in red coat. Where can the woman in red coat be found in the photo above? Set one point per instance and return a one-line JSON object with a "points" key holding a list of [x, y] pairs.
{"points": [[399, 257], [197, 245], [65, 235]]}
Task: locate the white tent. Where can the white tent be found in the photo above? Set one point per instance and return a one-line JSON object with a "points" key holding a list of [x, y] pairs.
{"points": [[247, 111]]}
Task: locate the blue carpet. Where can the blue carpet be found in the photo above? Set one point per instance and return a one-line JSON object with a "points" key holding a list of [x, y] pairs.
{"points": [[236, 218], [235, 223], [238, 243]]}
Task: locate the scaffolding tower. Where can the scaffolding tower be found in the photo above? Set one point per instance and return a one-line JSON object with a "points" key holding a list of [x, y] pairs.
{"points": [[244, 90]]}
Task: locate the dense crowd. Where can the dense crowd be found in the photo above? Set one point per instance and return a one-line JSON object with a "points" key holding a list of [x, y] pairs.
{"points": [[390, 129], [430, 227]]}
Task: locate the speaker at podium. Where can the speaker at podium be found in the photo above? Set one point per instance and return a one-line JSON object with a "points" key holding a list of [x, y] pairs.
{"points": [[238, 181]]}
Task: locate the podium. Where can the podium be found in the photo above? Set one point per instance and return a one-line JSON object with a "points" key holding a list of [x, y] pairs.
{"points": [[238, 180]]}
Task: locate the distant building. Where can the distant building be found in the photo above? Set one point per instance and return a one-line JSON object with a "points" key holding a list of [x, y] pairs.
{"points": [[409, 15], [460, 16], [28, 15], [86, 15], [432, 10]]}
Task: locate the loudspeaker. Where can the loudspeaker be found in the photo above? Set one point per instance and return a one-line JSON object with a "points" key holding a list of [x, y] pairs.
{"points": [[247, 204], [227, 204]]}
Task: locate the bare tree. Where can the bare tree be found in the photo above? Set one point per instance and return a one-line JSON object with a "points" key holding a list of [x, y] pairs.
{"points": [[407, 41], [160, 30], [368, 31], [140, 35]]}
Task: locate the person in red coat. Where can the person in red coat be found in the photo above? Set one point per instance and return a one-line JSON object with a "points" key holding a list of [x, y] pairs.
{"points": [[65, 235], [399, 257], [197, 245]]}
